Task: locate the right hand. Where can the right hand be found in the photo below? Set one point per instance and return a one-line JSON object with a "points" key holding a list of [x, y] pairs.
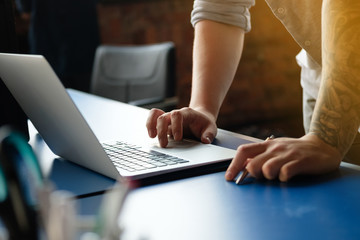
{"points": [[179, 123]]}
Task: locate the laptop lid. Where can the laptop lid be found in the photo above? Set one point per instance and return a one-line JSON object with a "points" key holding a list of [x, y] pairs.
{"points": [[45, 101]]}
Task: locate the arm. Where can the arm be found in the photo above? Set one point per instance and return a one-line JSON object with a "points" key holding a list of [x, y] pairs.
{"points": [[216, 55], [337, 114], [219, 35]]}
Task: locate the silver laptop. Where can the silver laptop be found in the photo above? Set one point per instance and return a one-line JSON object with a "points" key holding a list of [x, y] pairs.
{"points": [[44, 99]]}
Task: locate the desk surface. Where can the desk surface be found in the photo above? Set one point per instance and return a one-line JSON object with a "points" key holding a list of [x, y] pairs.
{"points": [[208, 207]]}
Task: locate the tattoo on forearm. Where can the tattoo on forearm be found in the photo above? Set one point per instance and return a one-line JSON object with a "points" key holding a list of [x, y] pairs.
{"points": [[337, 114]]}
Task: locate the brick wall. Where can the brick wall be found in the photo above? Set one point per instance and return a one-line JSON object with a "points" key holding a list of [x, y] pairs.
{"points": [[266, 88], [150, 22]]}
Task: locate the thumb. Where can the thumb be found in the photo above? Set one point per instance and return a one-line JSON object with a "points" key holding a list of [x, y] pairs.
{"points": [[208, 136]]}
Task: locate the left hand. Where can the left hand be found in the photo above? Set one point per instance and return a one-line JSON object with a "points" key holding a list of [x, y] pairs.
{"points": [[285, 158]]}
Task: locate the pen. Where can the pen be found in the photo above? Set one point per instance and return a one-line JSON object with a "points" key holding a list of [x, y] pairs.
{"points": [[245, 172]]}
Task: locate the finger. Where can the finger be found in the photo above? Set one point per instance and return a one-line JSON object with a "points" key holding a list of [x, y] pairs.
{"points": [[208, 134], [200, 125], [162, 126], [151, 121], [289, 170], [187, 121], [243, 153], [169, 131], [305, 166], [296, 167], [271, 167], [176, 125], [266, 163]]}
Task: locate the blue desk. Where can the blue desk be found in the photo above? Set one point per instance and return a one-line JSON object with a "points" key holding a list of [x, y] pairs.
{"points": [[208, 207]]}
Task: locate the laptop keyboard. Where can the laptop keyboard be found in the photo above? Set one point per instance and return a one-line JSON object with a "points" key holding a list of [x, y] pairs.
{"points": [[134, 158]]}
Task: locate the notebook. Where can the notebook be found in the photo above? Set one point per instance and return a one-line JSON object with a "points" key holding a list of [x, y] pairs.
{"points": [[51, 110]]}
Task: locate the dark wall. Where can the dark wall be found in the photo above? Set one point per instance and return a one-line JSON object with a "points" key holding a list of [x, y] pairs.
{"points": [[10, 112]]}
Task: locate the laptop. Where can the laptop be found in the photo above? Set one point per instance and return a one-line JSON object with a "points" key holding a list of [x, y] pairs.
{"points": [[43, 98]]}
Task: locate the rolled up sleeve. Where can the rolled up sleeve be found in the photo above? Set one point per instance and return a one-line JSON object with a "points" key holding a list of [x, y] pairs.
{"points": [[233, 12]]}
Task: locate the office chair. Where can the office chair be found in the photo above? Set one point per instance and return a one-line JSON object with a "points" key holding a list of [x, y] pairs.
{"points": [[139, 75]]}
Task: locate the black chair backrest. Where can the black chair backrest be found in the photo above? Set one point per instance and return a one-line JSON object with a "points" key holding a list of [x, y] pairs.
{"points": [[135, 73]]}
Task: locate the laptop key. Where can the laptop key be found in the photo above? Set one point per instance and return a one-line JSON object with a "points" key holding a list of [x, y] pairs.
{"points": [[132, 158]]}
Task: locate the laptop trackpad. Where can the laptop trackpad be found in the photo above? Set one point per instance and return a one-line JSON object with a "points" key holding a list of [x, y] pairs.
{"points": [[190, 150]]}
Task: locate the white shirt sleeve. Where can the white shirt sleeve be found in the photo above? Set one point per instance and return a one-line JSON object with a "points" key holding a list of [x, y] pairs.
{"points": [[233, 12]]}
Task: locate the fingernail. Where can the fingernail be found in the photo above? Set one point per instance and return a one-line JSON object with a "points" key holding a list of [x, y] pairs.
{"points": [[247, 161], [207, 140], [151, 133], [176, 136], [163, 142], [228, 175]]}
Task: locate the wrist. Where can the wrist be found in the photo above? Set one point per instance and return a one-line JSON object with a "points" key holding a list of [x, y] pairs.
{"points": [[317, 140], [204, 110]]}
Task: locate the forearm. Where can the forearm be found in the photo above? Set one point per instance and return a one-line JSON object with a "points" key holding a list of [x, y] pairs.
{"points": [[216, 55], [337, 114]]}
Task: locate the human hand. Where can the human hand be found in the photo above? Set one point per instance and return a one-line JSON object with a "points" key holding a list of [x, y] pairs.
{"points": [[285, 158], [177, 123]]}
